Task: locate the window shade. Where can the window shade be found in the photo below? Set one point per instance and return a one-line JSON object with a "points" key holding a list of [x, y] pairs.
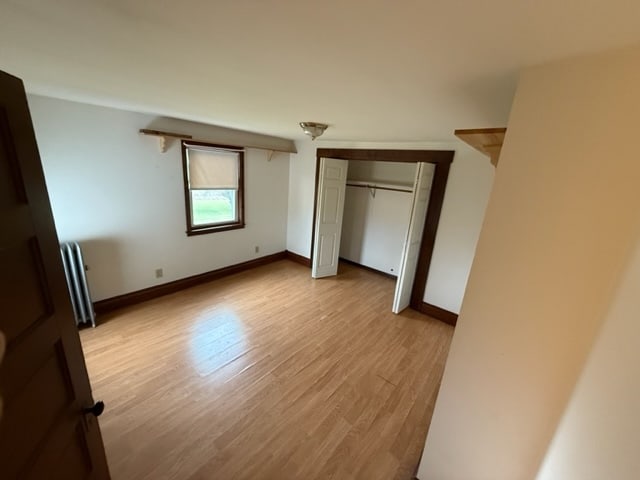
{"points": [[210, 169]]}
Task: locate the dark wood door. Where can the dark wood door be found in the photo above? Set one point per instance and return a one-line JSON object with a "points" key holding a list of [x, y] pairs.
{"points": [[44, 432]]}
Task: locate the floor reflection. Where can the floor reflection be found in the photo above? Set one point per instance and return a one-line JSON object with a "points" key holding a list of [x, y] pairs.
{"points": [[217, 339]]}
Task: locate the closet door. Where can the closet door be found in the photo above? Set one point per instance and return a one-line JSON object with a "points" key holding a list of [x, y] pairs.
{"points": [[332, 186], [411, 249]]}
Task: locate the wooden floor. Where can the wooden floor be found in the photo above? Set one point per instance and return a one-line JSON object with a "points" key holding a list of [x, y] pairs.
{"points": [[267, 374]]}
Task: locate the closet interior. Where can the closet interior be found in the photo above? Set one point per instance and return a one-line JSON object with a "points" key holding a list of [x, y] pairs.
{"points": [[377, 211]]}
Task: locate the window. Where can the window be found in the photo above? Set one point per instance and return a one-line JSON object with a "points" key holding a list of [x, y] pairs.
{"points": [[213, 187]]}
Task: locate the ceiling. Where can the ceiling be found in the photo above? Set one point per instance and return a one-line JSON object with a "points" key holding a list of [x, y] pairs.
{"points": [[375, 70]]}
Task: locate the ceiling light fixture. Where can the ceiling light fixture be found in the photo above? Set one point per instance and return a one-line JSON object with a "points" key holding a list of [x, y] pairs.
{"points": [[313, 129]]}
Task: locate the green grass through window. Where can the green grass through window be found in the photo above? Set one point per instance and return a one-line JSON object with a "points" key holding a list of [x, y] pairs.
{"points": [[213, 206]]}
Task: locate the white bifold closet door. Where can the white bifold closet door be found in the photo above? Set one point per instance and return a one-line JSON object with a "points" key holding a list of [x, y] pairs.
{"points": [[332, 186], [411, 249]]}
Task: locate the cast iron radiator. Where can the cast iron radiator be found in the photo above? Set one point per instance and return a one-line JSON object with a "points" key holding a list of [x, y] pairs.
{"points": [[74, 270]]}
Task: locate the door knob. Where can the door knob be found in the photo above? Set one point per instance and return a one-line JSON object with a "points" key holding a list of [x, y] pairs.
{"points": [[96, 409]]}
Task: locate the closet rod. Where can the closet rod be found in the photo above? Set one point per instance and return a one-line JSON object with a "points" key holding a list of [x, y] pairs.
{"points": [[407, 190]]}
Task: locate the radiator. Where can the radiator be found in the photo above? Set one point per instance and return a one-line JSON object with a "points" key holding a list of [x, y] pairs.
{"points": [[74, 270]]}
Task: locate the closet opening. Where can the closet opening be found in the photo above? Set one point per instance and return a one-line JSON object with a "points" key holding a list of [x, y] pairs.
{"points": [[379, 209]]}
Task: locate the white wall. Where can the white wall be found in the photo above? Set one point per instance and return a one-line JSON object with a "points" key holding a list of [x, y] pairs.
{"points": [[600, 433], [374, 228], [470, 182], [111, 189], [302, 178], [559, 229], [465, 203], [390, 172]]}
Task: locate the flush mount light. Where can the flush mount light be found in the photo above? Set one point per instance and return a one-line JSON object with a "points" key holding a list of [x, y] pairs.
{"points": [[313, 129]]}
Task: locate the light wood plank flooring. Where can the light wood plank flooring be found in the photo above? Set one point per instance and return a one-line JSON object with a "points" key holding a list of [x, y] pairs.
{"points": [[267, 374]]}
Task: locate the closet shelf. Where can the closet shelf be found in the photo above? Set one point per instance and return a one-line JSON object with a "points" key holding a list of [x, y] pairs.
{"points": [[395, 187]]}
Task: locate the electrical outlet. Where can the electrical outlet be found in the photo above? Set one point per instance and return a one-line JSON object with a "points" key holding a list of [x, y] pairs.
{"points": [[159, 273], [257, 249]]}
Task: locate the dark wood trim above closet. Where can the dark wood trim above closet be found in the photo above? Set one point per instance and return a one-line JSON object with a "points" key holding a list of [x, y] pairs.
{"points": [[441, 159], [406, 156]]}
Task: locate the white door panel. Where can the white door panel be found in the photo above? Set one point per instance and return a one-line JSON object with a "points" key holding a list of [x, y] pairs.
{"points": [[327, 251], [331, 191], [331, 205], [411, 250]]}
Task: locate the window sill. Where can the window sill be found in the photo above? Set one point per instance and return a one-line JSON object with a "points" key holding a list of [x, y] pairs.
{"points": [[221, 228]]}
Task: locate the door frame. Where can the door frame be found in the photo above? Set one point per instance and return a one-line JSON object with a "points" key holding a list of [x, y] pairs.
{"points": [[441, 159]]}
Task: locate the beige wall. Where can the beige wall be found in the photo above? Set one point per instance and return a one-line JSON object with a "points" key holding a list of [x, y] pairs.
{"points": [[599, 435], [560, 227]]}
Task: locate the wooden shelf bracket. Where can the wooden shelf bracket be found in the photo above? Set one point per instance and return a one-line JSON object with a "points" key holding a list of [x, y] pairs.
{"points": [[486, 140], [162, 137]]}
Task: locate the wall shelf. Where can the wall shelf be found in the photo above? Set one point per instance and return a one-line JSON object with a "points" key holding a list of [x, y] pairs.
{"points": [[162, 137], [486, 140]]}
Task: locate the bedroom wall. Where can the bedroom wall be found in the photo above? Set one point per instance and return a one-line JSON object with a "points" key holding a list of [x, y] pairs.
{"points": [[468, 189], [560, 231], [600, 432], [112, 190]]}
